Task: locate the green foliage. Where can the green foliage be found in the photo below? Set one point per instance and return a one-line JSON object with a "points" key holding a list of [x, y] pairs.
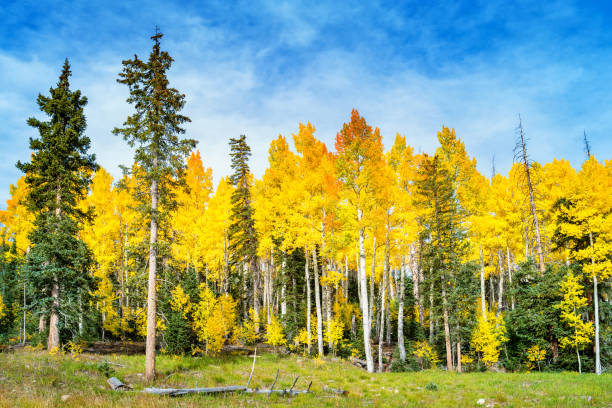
{"points": [[535, 318], [105, 368], [242, 234], [179, 336], [431, 386], [58, 177], [155, 127]]}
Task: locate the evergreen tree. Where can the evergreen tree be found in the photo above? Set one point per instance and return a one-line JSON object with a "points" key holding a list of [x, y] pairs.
{"points": [[155, 129], [58, 177], [242, 235], [443, 235]]}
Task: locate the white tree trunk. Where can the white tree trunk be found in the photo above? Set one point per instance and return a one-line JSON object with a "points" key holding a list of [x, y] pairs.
{"points": [[400, 313], [500, 293], [482, 287], [315, 267], [596, 314], [308, 304], [447, 339], [365, 310]]}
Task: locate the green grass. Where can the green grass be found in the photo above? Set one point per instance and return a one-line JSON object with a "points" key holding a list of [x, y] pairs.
{"points": [[36, 379]]}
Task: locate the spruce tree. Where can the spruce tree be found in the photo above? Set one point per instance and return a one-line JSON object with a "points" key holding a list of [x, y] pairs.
{"points": [[58, 177], [155, 130], [442, 234], [242, 234]]}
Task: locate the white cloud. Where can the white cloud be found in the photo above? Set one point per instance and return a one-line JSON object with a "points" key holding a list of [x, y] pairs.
{"points": [[232, 88]]}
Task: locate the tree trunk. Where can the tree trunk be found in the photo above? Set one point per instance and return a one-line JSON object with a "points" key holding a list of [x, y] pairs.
{"points": [[53, 341], [491, 293], [418, 272], [596, 307], [400, 313], [383, 301], [372, 281], [431, 315], [345, 284], [458, 356], [536, 225], [80, 314], [447, 339], [482, 287], [326, 288], [365, 310], [510, 276], [415, 283], [152, 288], [284, 300], [308, 304], [315, 267], [579, 362], [500, 293], [42, 324], [255, 272], [25, 337]]}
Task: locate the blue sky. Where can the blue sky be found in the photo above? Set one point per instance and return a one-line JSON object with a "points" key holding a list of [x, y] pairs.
{"points": [[261, 67]]}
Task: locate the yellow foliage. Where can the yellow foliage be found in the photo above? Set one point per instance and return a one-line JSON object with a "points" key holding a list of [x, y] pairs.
{"points": [[274, 333], [489, 336], [180, 301], [16, 218], [302, 337], [2, 308], [425, 355], [571, 305], [333, 278], [535, 355], [245, 333], [334, 331], [465, 359], [141, 322], [214, 318], [75, 349]]}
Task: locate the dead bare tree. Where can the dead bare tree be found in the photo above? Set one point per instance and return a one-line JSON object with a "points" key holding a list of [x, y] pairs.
{"points": [[520, 153]]}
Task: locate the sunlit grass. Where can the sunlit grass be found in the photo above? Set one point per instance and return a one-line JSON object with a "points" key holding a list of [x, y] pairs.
{"points": [[35, 379]]}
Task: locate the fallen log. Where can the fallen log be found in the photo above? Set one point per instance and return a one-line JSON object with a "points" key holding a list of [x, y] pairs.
{"points": [[335, 390], [173, 392], [116, 384]]}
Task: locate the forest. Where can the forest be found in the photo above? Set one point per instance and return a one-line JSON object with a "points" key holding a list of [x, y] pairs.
{"points": [[391, 259]]}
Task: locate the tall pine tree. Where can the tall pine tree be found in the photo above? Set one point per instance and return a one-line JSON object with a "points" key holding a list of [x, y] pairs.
{"points": [[155, 129], [242, 234], [58, 177]]}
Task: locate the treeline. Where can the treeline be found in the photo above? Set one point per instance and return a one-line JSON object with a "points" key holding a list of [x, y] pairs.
{"points": [[352, 251]]}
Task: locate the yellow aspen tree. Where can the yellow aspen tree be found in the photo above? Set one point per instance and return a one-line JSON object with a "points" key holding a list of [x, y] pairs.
{"points": [[489, 337], [103, 237], [274, 333], [188, 219], [586, 223], [16, 218], [18, 222], [215, 234], [359, 160], [571, 308]]}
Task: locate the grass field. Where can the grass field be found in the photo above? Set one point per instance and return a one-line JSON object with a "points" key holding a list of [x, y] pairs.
{"points": [[31, 378]]}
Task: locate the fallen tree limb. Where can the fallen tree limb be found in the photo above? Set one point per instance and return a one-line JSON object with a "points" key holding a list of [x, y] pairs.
{"points": [[173, 392], [335, 390]]}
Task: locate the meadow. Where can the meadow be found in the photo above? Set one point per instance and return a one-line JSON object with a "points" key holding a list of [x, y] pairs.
{"points": [[33, 378]]}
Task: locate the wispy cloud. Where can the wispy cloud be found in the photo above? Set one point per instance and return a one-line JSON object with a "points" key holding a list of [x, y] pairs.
{"points": [[260, 69]]}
